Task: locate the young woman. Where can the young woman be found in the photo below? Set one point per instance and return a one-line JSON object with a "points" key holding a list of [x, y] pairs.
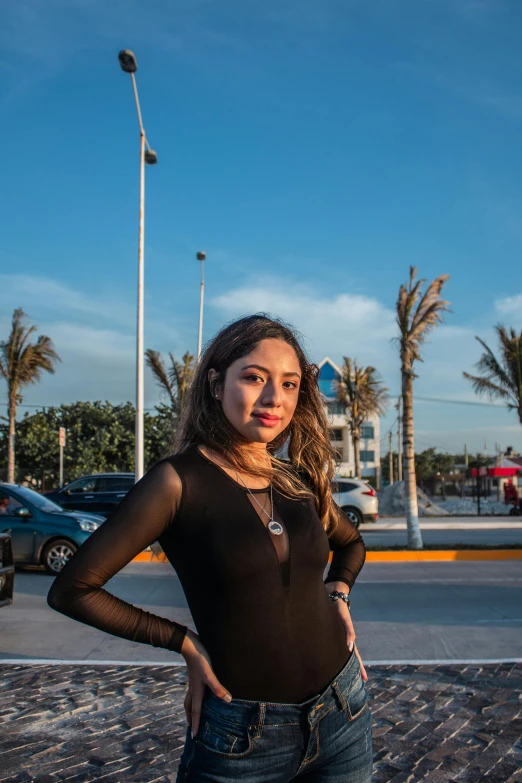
{"points": [[276, 685]]}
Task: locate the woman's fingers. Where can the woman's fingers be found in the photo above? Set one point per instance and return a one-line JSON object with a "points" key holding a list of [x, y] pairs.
{"points": [[187, 704], [364, 675], [194, 699], [195, 707], [218, 689], [351, 637], [349, 629]]}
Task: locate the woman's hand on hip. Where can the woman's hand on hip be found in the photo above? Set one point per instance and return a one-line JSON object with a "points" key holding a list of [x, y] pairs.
{"points": [[342, 607], [200, 673]]}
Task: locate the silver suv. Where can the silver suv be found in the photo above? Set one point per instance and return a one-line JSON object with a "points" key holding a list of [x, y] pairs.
{"points": [[357, 499]]}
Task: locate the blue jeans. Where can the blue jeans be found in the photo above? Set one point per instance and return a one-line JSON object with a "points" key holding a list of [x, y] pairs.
{"points": [[327, 739]]}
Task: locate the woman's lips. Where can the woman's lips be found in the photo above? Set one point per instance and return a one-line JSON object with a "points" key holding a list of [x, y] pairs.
{"points": [[266, 419]]}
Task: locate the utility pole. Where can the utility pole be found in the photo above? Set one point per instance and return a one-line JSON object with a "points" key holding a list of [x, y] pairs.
{"points": [[399, 444], [466, 463], [61, 441], [390, 436], [498, 464]]}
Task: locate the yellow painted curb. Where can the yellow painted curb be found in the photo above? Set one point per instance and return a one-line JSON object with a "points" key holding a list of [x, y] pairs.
{"points": [[444, 554], [406, 554]]}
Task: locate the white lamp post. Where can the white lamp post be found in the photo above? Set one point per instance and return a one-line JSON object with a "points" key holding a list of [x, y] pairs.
{"points": [[201, 256], [129, 65]]}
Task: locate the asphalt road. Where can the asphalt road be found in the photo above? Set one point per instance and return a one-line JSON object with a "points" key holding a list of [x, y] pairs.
{"points": [[448, 611]]}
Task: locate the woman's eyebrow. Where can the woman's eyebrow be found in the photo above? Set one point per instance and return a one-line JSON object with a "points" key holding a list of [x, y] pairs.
{"points": [[263, 369]]}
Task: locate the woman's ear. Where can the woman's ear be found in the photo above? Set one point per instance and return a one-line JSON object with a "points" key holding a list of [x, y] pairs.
{"points": [[212, 378]]}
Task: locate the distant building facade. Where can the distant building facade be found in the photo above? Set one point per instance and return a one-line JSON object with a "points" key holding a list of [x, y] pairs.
{"points": [[370, 450]]}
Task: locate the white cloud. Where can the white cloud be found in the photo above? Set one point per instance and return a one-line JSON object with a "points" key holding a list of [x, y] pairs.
{"points": [[94, 335], [343, 324], [361, 327], [49, 295], [510, 305]]}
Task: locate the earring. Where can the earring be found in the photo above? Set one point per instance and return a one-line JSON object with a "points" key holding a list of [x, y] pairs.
{"points": [[216, 396]]}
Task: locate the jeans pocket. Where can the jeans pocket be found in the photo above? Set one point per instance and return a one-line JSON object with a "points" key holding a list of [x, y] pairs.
{"points": [[356, 699], [225, 739]]}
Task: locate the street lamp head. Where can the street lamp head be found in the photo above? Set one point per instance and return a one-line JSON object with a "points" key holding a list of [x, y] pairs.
{"points": [[127, 61], [150, 157], [201, 256]]}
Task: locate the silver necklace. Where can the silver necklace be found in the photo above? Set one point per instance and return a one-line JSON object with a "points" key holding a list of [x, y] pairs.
{"points": [[274, 526]]}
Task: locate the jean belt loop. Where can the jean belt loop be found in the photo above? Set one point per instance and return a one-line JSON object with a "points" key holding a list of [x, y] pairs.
{"points": [[339, 696], [259, 727]]}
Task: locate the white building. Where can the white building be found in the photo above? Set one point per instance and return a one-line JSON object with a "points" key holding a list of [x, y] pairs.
{"points": [[370, 444]]}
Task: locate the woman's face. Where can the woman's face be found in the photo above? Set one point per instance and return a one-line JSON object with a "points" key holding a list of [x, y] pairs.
{"points": [[261, 390]]}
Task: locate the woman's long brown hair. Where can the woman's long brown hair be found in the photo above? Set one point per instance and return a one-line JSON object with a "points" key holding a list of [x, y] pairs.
{"points": [[310, 469]]}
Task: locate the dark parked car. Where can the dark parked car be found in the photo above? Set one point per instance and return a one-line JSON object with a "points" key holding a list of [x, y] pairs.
{"points": [[6, 570], [42, 533], [100, 493]]}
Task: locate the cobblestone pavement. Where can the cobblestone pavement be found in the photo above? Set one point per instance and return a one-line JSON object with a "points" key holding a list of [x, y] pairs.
{"points": [[126, 724]]}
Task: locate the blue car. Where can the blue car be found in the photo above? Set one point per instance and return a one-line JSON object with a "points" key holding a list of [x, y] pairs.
{"points": [[42, 533], [99, 493]]}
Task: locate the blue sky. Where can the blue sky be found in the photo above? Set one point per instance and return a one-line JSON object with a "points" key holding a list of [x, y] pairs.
{"points": [[314, 149]]}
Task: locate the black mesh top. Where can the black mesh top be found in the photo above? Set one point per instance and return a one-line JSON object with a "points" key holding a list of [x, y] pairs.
{"points": [[258, 600]]}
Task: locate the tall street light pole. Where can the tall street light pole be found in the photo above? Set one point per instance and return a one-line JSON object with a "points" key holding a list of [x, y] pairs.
{"points": [[399, 440], [201, 256], [129, 65]]}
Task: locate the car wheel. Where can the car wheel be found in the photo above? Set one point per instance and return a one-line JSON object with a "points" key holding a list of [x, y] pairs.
{"points": [[56, 554], [353, 515]]}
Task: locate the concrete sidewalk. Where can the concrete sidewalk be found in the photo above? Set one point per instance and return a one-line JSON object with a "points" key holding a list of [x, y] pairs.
{"points": [[126, 724], [445, 523]]}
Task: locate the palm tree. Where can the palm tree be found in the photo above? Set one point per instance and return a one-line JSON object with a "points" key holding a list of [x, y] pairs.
{"points": [[417, 315], [175, 380], [501, 379], [21, 363], [362, 393]]}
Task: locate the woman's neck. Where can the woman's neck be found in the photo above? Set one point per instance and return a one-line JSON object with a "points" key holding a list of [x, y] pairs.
{"points": [[257, 452]]}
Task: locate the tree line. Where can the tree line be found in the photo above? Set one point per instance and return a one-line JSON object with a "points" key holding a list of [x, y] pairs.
{"points": [[430, 462], [99, 439]]}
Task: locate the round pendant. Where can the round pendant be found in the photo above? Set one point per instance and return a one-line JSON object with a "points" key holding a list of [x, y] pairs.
{"points": [[275, 527]]}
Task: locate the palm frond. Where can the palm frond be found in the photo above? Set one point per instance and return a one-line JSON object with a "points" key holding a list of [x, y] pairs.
{"points": [[430, 318], [430, 299], [408, 295], [500, 379], [491, 369], [361, 391], [157, 365], [483, 386], [511, 347]]}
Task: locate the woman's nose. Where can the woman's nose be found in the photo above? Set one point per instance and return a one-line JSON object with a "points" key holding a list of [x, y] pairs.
{"points": [[271, 396]]}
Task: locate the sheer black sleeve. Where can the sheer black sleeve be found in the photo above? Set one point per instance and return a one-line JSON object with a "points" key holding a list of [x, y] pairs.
{"points": [[143, 515], [349, 551]]}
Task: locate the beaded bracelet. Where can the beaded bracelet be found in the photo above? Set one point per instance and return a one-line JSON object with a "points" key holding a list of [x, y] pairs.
{"points": [[336, 594]]}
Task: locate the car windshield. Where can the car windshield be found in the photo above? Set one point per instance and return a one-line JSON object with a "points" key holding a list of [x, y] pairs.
{"points": [[41, 503]]}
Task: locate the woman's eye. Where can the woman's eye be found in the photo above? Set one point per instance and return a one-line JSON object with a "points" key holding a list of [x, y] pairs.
{"points": [[254, 378], [292, 385]]}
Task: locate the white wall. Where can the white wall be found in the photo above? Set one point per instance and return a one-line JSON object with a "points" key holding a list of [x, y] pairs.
{"points": [[347, 466]]}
